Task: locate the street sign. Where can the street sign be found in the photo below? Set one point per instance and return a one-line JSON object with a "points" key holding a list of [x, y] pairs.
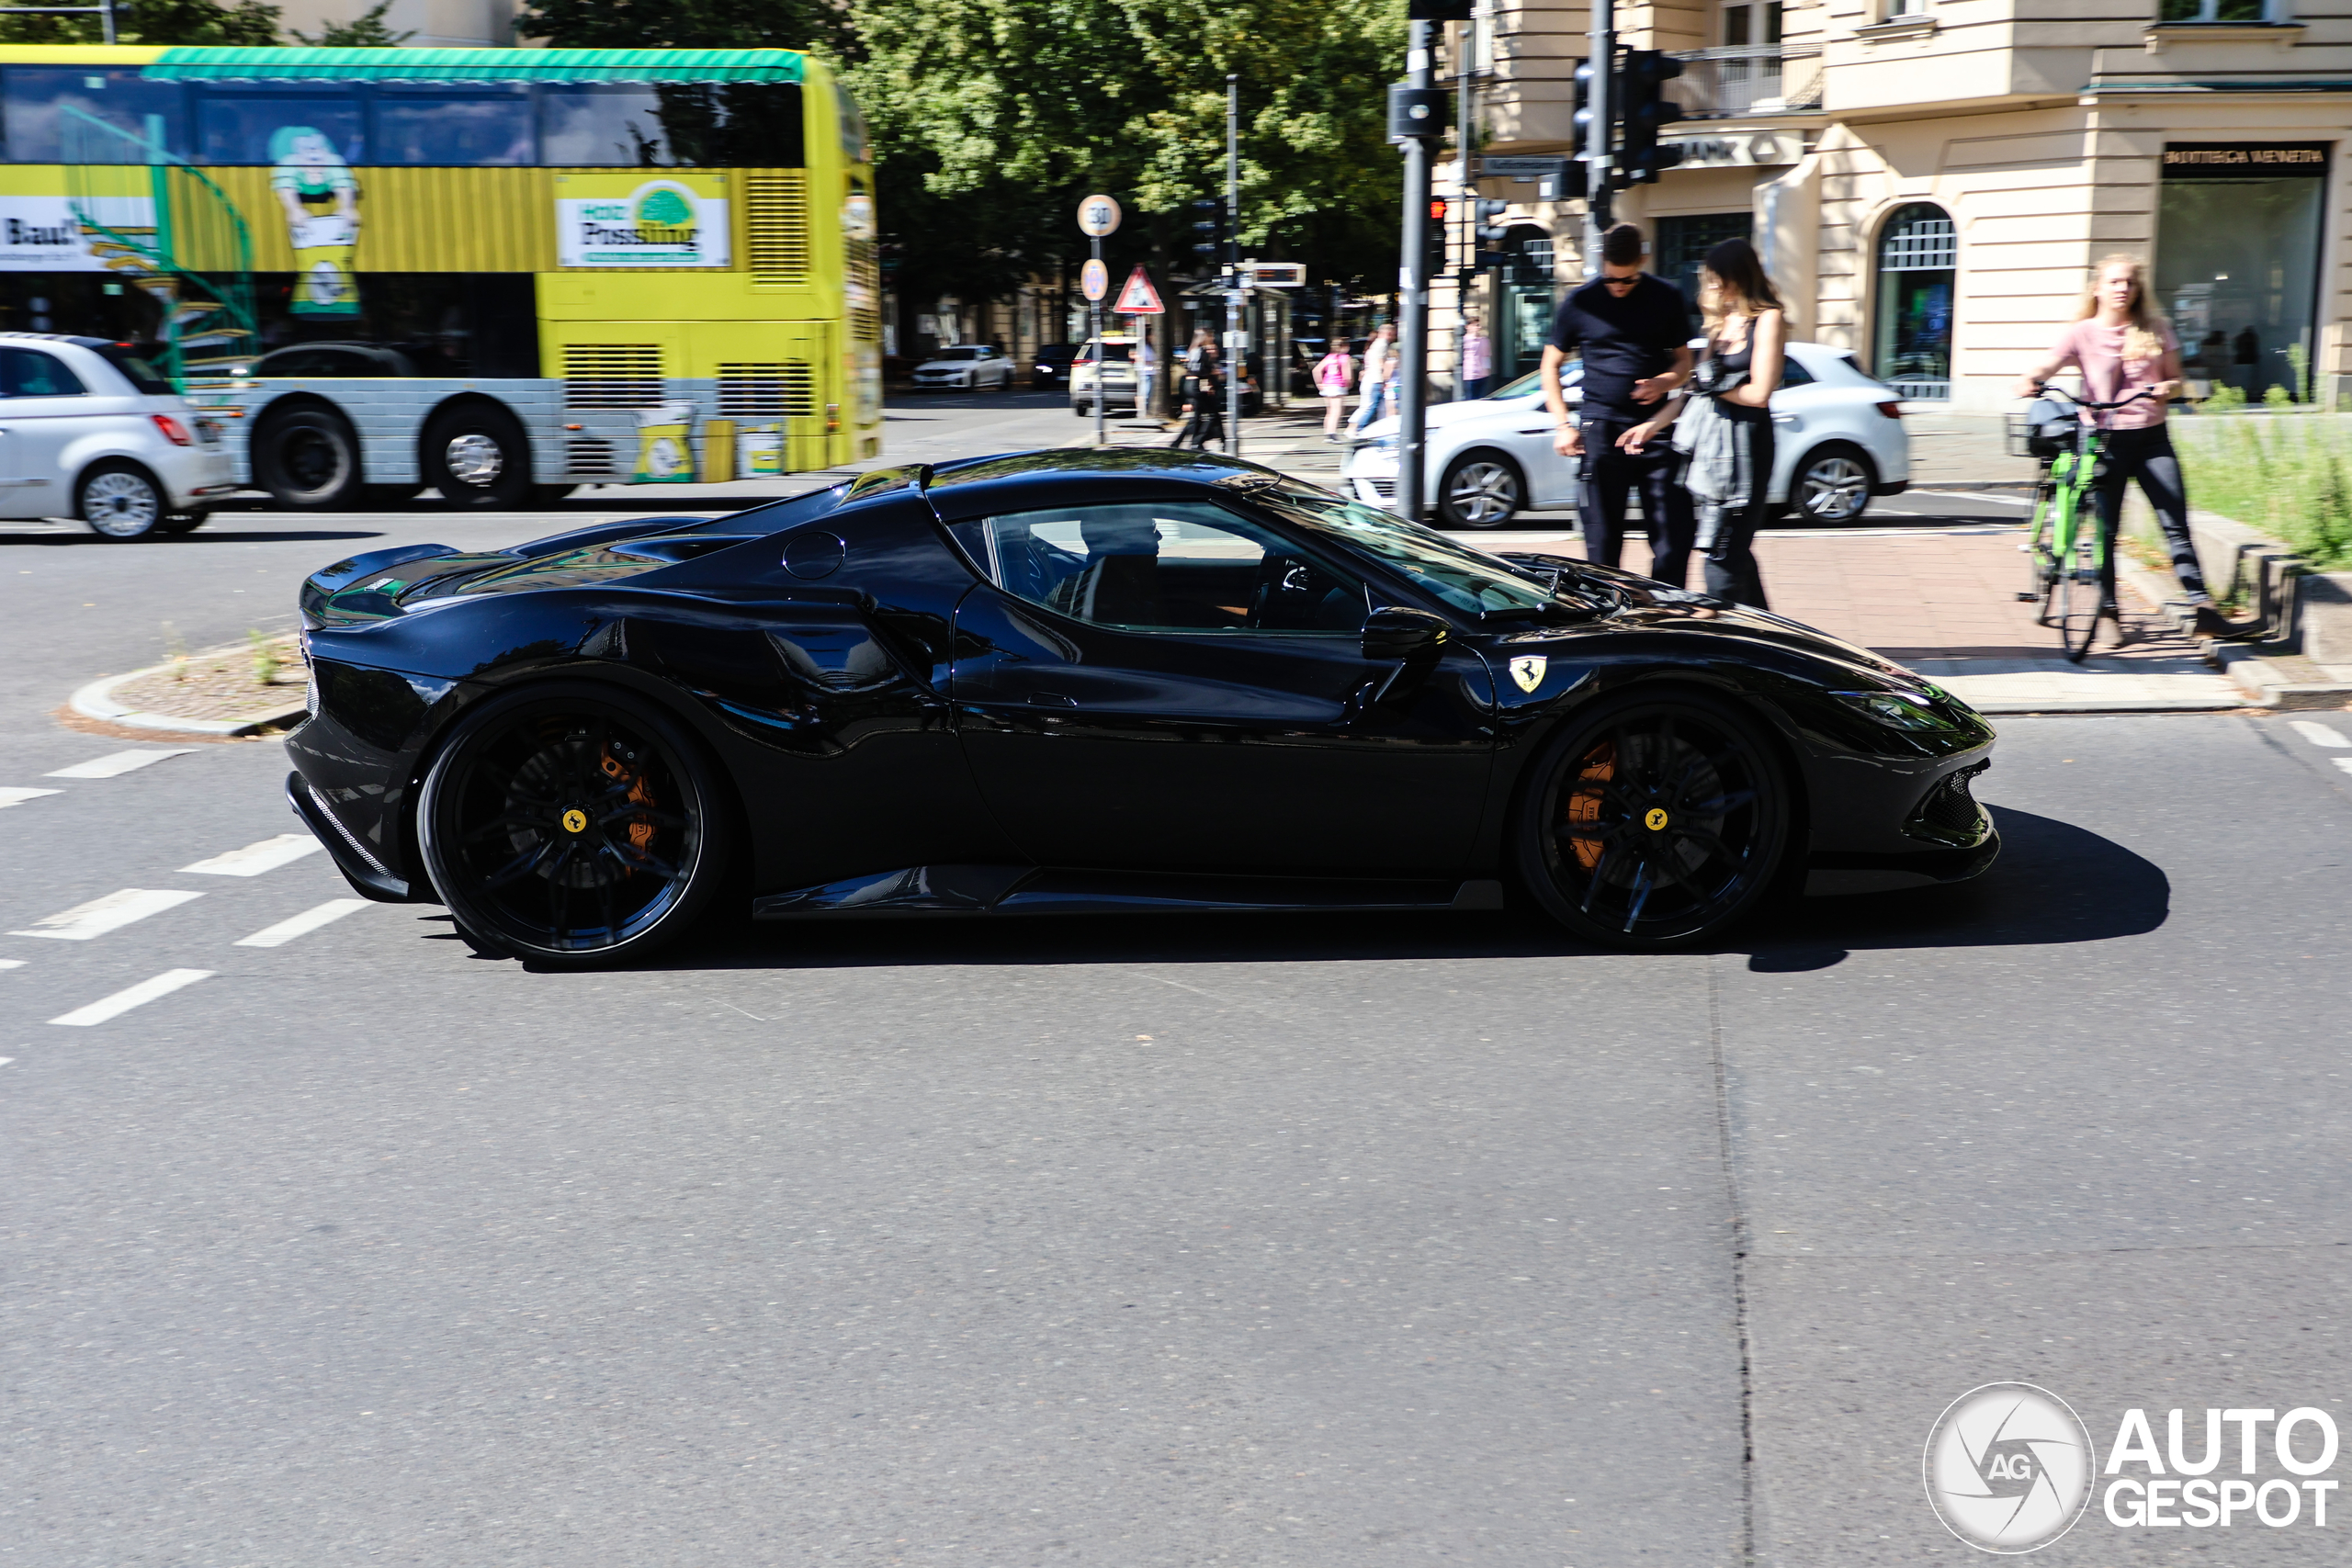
{"points": [[1094, 279], [1276, 275], [1522, 169], [1097, 216], [1138, 298]]}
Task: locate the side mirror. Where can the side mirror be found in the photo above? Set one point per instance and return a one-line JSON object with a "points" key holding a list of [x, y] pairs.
{"points": [[1394, 631]]}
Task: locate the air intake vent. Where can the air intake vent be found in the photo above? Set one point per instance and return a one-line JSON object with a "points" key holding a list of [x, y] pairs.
{"points": [[766, 391], [775, 227], [588, 457], [612, 376], [865, 326]]}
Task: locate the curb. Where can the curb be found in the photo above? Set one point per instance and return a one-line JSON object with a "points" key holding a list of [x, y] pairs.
{"points": [[96, 700], [2263, 682]]}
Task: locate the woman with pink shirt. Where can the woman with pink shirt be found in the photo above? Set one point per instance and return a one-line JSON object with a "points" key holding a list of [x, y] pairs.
{"points": [[2121, 346], [1333, 374]]}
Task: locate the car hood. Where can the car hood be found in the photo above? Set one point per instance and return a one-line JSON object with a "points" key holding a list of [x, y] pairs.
{"points": [[1439, 415], [945, 364]]}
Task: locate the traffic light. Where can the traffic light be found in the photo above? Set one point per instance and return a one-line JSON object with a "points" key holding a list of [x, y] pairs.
{"points": [[1643, 113], [1212, 244], [1488, 229], [1585, 141], [1437, 234]]}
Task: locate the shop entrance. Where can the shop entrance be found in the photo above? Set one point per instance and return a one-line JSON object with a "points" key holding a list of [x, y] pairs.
{"points": [[1918, 257], [1525, 284], [2238, 231]]}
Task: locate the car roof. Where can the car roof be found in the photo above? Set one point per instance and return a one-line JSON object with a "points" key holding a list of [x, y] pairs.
{"points": [[1070, 476]]}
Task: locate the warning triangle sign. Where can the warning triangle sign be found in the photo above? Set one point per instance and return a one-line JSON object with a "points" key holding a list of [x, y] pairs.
{"points": [[1138, 298]]}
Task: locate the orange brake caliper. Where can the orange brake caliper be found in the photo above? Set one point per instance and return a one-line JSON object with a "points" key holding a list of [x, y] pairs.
{"points": [[1584, 805], [640, 832]]}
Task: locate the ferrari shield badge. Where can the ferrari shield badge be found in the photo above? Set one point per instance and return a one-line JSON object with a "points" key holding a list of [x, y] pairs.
{"points": [[1528, 670]]}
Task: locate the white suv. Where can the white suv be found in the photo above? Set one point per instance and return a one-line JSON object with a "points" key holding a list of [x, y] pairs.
{"points": [[90, 430]]}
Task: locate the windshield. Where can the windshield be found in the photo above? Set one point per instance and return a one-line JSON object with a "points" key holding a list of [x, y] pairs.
{"points": [[957, 354], [1116, 353], [1457, 574], [140, 374], [1528, 386]]}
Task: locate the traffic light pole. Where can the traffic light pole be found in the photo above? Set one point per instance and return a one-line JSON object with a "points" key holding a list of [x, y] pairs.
{"points": [[1234, 344], [1465, 111], [1597, 135], [1413, 294], [1102, 357]]}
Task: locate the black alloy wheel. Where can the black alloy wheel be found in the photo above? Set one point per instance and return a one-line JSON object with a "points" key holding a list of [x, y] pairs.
{"points": [[307, 458], [119, 500], [573, 826], [477, 455], [1480, 489], [1655, 821], [1833, 484]]}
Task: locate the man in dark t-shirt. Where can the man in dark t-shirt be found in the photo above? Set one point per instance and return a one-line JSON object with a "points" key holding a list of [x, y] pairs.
{"points": [[1633, 334]]}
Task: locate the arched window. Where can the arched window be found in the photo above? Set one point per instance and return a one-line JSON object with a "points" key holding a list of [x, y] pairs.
{"points": [[1919, 254]]}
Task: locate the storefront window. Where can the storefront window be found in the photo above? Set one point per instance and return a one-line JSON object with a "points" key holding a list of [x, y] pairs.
{"points": [[2237, 261], [1919, 254], [1683, 243], [1527, 300], [2179, 11]]}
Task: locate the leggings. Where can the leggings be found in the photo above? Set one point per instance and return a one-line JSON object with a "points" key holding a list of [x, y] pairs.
{"points": [[2146, 455]]}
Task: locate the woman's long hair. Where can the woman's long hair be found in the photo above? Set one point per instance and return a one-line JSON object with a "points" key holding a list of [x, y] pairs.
{"points": [[1733, 283], [2140, 339]]}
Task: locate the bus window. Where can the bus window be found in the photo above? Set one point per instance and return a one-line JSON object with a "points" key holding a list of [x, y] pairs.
{"points": [[90, 116], [242, 125], [853, 124], [734, 125], [470, 126], [585, 125]]}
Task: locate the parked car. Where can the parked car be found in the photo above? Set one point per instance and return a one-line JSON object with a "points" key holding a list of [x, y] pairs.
{"points": [[972, 368], [1051, 368], [1839, 442], [95, 432], [1112, 363]]}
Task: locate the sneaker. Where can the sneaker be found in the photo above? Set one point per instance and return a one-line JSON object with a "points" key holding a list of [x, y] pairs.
{"points": [[2208, 621]]}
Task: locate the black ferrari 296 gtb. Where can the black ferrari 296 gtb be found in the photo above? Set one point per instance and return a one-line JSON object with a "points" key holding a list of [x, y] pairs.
{"points": [[1086, 680]]}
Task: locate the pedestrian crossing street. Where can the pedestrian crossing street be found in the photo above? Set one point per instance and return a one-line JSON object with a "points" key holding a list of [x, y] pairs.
{"points": [[105, 916]]}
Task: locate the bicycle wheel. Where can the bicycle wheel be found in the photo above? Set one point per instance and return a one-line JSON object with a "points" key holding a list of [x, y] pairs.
{"points": [[2041, 561], [2075, 596]]}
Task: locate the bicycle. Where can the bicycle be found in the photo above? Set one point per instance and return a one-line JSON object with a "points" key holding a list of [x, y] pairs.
{"points": [[2066, 562]]}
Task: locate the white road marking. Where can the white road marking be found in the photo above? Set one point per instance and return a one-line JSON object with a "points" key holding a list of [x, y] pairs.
{"points": [[112, 912], [2344, 762], [115, 764], [139, 994], [16, 796], [255, 859], [308, 921], [11, 964], [2318, 734]]}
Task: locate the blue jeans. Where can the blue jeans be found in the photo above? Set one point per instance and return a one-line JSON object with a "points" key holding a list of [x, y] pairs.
{"points": [[1376, 405], [1474, 386]]}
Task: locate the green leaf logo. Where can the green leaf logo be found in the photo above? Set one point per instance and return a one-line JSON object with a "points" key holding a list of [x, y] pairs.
{"points": [[664, 209]]}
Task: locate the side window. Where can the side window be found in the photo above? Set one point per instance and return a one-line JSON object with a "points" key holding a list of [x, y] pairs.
{"points": [[1793, 374], [28, 373], [1165, 567]]}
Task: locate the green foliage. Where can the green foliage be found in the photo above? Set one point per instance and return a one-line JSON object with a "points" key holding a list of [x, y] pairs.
{"points": [[2290, 476], [2225, 398], [816, 25], [2278, 396], [264, 657], [365, 30], [154, 21]]}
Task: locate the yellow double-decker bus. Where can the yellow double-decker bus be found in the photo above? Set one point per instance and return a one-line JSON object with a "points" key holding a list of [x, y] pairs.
{"points": [[495, 273]]}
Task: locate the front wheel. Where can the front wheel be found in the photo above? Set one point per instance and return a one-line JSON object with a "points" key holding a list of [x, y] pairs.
{"points": [[1480, 489], [477, 455], [573, 826], [1654, 821], [119, 500], [1833, 484], [2077, 595]]}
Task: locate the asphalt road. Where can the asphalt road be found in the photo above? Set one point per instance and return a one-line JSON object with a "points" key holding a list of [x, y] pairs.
{"points": [[1320, 1241]]}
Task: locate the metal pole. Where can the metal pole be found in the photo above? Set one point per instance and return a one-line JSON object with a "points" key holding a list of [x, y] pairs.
{"points": [[1597, 144], [1467, 188], [1413, 302], [1102, 357], [1234, 343]]}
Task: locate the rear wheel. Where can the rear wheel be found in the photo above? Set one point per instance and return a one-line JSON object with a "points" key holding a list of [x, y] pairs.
{"points": [[573, 826], [1083, 411], [308, 459], [2040, 563], [119, 500], [476, 455], [1833, 484], [1480, 489], [1654, 821]]}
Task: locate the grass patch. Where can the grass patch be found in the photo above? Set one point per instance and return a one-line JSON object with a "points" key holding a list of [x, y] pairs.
{"points": [[2290, 478]]}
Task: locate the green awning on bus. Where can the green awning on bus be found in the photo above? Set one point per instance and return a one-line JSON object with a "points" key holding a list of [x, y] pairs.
{"points": [[243, 64]]}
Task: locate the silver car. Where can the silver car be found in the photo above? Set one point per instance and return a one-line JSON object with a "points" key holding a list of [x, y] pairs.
{"points": [[90, 430]]}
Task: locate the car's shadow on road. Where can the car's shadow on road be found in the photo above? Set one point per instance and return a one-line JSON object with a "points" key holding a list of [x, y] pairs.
{"points": [[2055, 882]]}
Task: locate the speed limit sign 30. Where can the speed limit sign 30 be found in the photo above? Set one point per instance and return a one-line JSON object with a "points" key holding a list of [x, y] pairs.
{"points": [[1097, 216]]}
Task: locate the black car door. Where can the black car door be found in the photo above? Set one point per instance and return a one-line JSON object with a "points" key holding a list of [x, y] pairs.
{"points": [[1179, 686]]}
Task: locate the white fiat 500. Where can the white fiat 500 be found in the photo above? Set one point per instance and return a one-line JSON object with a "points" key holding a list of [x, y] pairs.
{"points": [[1839, 440], [90, 430]]}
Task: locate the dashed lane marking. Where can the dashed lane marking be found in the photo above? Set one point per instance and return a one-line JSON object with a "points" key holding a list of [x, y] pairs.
{"points": [[2343, 763], [16, 796], [139, 994], [308, 921], [2318, 734], [11, 964], [255, 859], [112, 912], [115, 763]]}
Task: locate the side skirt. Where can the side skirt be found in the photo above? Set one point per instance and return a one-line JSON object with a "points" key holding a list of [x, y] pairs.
{"points": [[1037, 890]]}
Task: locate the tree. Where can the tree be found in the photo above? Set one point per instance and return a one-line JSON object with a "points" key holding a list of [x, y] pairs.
{"points": [[154, 21], [816, 25], [365, 30]]}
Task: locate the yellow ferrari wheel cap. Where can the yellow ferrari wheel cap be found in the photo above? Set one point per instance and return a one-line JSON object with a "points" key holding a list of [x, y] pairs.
{"points": [[576, 820], [1656, 821]]}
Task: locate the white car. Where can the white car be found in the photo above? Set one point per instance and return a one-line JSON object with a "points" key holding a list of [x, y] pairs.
{"points": [[90, 430], [1112, 364], [971, 368], [1839, 436]]}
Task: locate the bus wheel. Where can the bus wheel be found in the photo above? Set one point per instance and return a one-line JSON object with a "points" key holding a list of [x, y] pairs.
{"points": [[477, 455], [308, 459]]}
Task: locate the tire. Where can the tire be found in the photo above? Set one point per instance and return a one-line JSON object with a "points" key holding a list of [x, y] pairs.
{"points": [[1480, 489], [573, 826], [179, 522], [1832, 484], [477, 455], [120, 501], [1083, 411], [1654, 821], [2041, 565], [2074, 597], [308, 459]]}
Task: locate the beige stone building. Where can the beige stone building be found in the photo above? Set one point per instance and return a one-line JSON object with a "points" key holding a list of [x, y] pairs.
{"points": [[1930, 180]]}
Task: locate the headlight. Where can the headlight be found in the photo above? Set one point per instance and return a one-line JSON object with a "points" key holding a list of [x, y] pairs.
{"points": [[1904, 710]]}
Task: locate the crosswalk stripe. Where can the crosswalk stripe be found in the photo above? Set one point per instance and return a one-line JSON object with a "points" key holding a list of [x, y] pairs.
{"points": [[112, 912], [2318, 734], [11, 964], [308, 921], [139, 994], [255, 859], [13, 796], [115, 763]]}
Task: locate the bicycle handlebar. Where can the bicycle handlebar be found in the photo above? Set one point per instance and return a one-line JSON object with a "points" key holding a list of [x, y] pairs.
{"points": [[2044, 389]]}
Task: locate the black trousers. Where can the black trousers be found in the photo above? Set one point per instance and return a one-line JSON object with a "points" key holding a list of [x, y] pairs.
{"points": [[1201, 427], [2147, 455], [1605, 476], [1727, 534]]}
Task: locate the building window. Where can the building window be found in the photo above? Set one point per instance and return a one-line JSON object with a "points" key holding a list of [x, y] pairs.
{"points": [[2239, 231], [1919, 254], [1683, 243], [2186, 12], [1909, 10], [1750, 22]]}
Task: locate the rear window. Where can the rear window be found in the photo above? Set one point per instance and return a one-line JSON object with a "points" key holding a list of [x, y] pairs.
{"points": [[1116, 353], [140, 374]]}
